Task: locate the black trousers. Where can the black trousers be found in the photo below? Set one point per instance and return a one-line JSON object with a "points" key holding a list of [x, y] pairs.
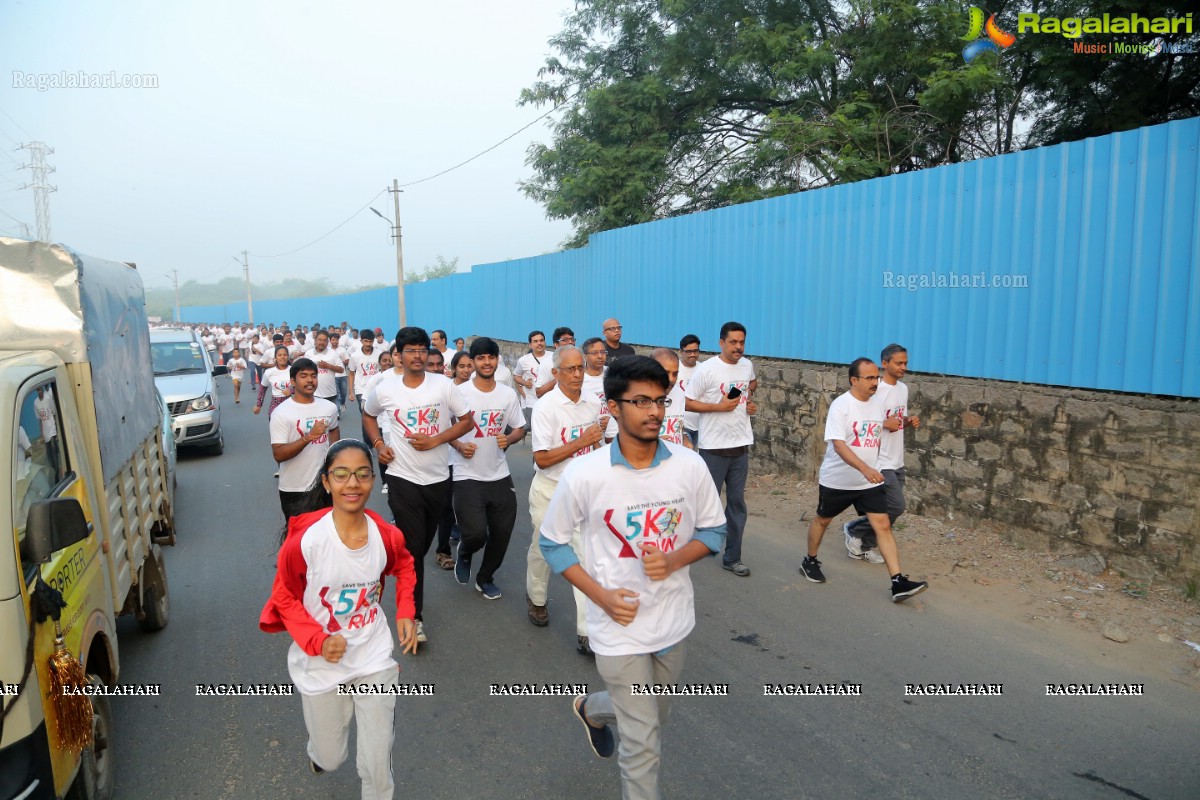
{"points": [[487, 512], [294, 503], [417, 510], [447, 522]]}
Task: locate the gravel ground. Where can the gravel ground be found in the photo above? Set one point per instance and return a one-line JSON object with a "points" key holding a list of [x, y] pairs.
{"points": [[1090, 608]]}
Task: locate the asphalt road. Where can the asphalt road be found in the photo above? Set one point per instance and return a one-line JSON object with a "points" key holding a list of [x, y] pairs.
{"points": [[770, 628]]}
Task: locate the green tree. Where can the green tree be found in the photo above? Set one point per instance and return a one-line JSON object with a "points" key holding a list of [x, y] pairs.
{"points": [[440, 268], [675, 106]]}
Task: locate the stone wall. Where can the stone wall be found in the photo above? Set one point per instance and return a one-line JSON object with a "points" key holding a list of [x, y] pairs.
{"points": [[1059, 469]]}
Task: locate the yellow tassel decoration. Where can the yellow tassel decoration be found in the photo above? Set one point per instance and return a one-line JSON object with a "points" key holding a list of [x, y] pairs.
{"points": [[72, 708]]}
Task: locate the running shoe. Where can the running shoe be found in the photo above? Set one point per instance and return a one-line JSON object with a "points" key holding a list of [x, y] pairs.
{"points": [[462, 567], [811, 568], [903, 588], [853, 543], [489, 590], [601, 740], [421, 631]]}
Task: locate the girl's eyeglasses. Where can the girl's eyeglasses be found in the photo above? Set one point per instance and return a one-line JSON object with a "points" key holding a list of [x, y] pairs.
{"points": [[342, 474]]}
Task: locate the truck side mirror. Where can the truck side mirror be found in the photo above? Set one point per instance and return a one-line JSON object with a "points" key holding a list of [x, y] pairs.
{"points": [[52, 525]]}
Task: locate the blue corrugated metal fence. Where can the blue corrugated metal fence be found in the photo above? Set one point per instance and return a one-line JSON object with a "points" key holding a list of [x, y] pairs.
{"points": [[1073, 265]]}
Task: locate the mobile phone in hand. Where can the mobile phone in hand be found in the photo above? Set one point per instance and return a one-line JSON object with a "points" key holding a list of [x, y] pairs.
{"points": [[734, 393]]}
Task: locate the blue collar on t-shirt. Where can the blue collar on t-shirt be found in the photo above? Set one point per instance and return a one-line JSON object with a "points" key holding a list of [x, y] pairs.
{"points": [[618, 460]]}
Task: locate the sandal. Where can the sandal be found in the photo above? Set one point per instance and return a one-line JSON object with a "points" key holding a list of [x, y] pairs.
{"points": [[445, 561]]}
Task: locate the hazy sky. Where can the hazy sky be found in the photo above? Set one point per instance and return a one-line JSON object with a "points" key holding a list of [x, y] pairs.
{"points": [[272, 123]]}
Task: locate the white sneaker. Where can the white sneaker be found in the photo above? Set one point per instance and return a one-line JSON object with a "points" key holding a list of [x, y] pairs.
{"points": [[385, 488], [872, 555], [853, 543], [421, 631]]}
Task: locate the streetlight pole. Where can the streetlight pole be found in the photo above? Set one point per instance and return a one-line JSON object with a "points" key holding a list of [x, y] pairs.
{"points": [[245, 262], [175, 275], [399, 255], [398, 235]]}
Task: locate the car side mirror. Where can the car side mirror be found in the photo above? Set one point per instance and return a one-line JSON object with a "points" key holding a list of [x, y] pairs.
{"points": [[52, 525], [220, 369]]}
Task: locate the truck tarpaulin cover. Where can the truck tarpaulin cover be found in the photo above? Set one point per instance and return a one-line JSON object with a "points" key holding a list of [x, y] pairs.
{"points": [[88, 311]]}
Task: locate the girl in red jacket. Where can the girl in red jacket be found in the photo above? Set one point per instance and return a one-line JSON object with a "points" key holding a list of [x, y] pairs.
{"points": [[327, 592]]}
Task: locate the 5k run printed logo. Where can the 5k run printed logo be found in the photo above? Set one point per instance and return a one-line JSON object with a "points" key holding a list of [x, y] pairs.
{"points": [[655, 525]]}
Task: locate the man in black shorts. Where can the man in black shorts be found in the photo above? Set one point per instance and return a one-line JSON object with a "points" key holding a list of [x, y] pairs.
{"points": [[849, 477]]}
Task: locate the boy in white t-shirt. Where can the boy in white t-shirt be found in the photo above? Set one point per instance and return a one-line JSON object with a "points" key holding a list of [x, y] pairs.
{"points": [[485, 502], [721, 391], [302, 429], [849, 475], [645, 510], [417, 406], [237, 372]]}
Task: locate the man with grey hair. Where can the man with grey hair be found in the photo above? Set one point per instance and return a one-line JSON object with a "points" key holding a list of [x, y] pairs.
{"points": [[565, 425]]}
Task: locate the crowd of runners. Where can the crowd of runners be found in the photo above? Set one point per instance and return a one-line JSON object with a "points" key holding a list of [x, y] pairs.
{"points": [[630, 454]]}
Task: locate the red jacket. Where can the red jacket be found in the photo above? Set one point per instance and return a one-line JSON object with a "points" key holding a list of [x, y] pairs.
{"points": [[285, 610]]}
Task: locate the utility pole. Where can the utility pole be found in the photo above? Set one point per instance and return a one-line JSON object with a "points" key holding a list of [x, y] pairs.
{"points": [[249, 298], [175, 272], [41, 189], [395, 190]]}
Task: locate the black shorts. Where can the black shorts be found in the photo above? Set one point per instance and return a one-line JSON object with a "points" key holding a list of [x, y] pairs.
{"points": [[831, 502]]}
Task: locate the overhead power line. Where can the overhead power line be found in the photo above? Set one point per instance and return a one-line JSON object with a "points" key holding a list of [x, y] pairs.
{"points": [[485, 152], [325, 235]]}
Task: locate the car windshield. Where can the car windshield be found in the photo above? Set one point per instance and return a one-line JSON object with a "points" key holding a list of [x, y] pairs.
{"points": [[176, 358]]}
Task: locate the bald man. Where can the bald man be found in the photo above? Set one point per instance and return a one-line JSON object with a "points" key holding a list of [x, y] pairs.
{"points": [[612, 342]]}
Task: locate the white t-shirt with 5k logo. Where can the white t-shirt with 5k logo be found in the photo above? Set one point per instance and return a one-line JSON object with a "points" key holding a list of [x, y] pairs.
{"points": [[427, 409], [617, 508], [860, 425], [558, 420], [493, 411], [291, 422]]}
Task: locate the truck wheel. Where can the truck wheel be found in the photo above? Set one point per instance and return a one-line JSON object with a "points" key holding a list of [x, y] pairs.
{"points": [[97, 766], [157, 610], [156, 600]]}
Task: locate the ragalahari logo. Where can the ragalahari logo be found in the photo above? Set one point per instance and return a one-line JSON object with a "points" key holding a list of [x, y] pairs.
{"points": [[996, 39]]}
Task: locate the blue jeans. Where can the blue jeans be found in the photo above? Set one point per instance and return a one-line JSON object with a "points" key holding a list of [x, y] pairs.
{"points": [[731, 472], [343, 386]]}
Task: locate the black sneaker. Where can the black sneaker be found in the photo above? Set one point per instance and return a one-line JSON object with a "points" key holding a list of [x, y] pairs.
{"points": [[584, 646], [601, 740], [903, 588], [462, 567], [812, 569]]}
